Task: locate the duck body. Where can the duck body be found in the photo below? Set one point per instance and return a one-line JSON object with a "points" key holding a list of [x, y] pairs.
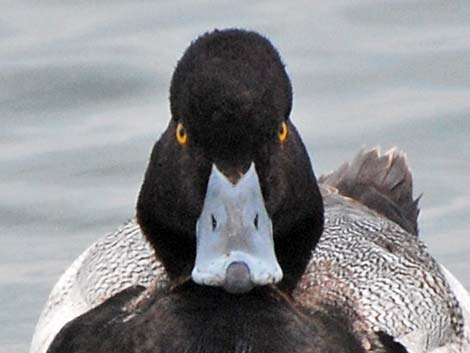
{"points": [[361, 258], [241, 249]]}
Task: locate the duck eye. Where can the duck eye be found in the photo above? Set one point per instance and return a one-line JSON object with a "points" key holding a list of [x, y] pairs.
{"points": [[283, 129], [181, 135]]}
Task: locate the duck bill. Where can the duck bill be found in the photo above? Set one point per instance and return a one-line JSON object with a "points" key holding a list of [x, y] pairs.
{"points": [[234, 234]]}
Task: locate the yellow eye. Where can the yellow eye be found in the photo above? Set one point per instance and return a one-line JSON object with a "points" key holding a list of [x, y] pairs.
{"points": [[283, 129], [181, 135]]}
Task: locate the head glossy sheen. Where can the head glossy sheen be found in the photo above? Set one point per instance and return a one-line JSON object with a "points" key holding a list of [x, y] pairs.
{"points": [[231, 92], [231, 87]]}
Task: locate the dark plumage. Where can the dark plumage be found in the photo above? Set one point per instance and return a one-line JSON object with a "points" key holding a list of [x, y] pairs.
{"points": [[214, 322], [203, 319], [231, 93]]}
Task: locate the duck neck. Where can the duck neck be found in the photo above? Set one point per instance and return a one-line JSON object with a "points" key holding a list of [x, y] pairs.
{"points": [[175, 250], [294, 250]]}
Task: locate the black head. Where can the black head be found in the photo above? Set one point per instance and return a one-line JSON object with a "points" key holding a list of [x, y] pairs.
{"points": [[231, 91], [230, 102]]}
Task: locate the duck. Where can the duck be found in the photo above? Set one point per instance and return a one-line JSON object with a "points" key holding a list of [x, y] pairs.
{"points": [[237, 246]]}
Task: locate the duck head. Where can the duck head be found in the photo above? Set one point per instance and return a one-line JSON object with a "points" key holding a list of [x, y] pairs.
{"points": [[229, 196]]}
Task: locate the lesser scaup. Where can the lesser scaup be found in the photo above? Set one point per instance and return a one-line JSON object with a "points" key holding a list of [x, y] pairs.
{"points": [[230, 200]]}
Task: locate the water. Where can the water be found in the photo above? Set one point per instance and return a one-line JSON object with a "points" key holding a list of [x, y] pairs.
{"points": [[83, 96]]}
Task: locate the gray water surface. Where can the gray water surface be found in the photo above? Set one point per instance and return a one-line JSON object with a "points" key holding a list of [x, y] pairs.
{"points": [[83, 97]]}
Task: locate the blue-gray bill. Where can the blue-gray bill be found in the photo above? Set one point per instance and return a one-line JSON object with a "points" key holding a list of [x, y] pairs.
{"points": [[235, 247]]}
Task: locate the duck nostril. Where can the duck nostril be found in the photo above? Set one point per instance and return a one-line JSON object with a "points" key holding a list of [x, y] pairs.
{"points": [[214, 222], [255, 222]]}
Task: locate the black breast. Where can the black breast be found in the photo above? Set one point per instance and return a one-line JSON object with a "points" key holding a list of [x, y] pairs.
{"points": [[201, 319]]}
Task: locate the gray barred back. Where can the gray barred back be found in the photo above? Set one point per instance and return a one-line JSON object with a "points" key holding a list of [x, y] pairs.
{"points": [[371, 251], [384, 274]]}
